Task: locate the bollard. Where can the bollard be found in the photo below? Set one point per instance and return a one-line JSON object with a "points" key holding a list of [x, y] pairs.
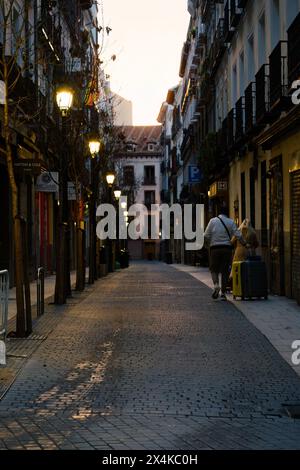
{"points": [[40, 291]]}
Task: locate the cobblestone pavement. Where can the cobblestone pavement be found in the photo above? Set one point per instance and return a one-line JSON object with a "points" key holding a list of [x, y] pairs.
{"points": [[147, 360]]}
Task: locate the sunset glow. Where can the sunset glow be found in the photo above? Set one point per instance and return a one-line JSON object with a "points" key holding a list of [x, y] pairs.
{"points": [[147, 39]]}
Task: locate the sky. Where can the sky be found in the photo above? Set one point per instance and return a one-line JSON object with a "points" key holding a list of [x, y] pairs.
{"points": [[147, 38]]}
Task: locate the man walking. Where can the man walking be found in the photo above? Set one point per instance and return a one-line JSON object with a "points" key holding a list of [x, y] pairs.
{"points": [[218, 235]]}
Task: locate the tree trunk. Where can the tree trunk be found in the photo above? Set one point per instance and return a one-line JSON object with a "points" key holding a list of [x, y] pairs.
{"points": [[18, 252]]}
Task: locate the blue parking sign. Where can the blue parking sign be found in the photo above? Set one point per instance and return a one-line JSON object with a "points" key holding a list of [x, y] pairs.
{"points": [[195, 175]]}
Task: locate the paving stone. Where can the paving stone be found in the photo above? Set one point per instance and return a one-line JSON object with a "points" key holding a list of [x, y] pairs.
{"points": [[146, 359]]}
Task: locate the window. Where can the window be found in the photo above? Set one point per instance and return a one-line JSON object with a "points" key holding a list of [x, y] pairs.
{"points": [[252, 196], [131, 147], [151, 147], [234, 85], [149, 175], [243, 195], [128, 175], [251, 59], [149, 198], [242, 74], [275, 23], [263, 186], [262, 40], [16, 29]]}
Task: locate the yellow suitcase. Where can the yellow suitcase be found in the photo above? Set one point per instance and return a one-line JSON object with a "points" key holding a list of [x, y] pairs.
{"points": [[237, 289]]}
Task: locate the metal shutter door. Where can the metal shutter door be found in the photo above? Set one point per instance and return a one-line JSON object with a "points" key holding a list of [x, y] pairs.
{"points": [[295, 202]]}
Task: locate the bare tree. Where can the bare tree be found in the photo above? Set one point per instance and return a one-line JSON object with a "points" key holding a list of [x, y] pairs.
{"points": [[14, 60]]}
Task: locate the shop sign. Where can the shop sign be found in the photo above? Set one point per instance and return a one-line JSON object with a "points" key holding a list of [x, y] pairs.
{"points": [[32, 166], [218, 188], [27, 161], [47, 182]]}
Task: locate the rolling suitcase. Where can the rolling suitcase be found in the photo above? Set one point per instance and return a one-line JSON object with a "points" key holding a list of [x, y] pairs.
{"points": [[250, 279], [254, 280]]}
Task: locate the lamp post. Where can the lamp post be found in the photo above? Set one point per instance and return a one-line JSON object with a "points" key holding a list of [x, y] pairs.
{"points": [[94, 147], [64, 100], [118, 194], [110, 179]]}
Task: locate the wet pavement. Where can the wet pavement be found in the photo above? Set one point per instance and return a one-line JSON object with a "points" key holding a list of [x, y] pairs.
{"points": [[147, 360]]}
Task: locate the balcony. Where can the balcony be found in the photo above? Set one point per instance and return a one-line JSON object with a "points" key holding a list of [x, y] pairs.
{"points": [[206, 8], [231, 128], [149, 181], [206, 91], [239, 119], [278, 77], [294, 51], [223, 138], [228, 30], [235, 13], [218, 46], [86, 4], [262, 94], [184, 58], [249, 108], [149, 204]]}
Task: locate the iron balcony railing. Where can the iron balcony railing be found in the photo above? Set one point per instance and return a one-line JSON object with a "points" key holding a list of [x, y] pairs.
{"points": [[262, 94], [228, 30], [218, 46], [239, 119], [224, 137], [149, 181], [235, 13], [278, 74], [250, 107], [231, 128]]}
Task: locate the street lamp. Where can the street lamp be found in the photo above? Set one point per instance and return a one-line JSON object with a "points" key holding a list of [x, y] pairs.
{"points": [[117, 193], [64, 99], [110, 178], [94, 146]]}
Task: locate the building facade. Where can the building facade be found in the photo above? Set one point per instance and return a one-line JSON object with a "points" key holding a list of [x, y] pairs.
{"points": [[56, 43], [239, 66], [138, 166]]}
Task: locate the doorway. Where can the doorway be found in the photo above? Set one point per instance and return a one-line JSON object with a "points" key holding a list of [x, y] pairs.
{"points": [[277, 284]]}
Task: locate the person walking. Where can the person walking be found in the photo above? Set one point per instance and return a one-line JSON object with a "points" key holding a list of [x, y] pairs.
{"points": [[218, 236]]}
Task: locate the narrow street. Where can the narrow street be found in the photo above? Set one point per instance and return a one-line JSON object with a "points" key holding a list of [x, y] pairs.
{"points": [[147, 360]]}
